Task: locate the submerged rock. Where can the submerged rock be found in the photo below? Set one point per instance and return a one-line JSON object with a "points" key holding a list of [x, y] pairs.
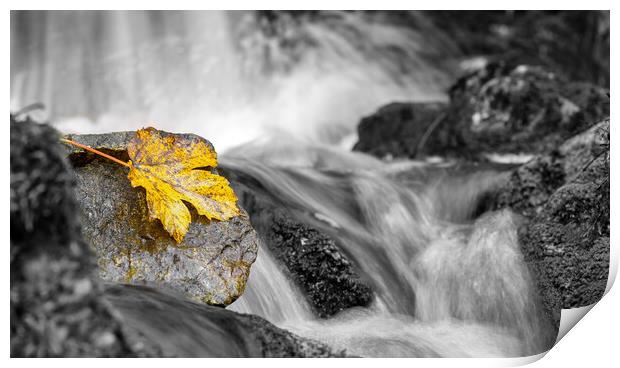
{"points": [[188, 329], [314, 261], [57, 307], [211, 264]]}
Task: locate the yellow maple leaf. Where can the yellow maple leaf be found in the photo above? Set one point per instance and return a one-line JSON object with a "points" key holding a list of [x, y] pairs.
{"points": [[172, 169]]}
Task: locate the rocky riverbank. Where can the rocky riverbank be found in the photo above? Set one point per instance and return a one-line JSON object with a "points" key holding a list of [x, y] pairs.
{"points": [[566, 197], [59, 303], [526, 113]]}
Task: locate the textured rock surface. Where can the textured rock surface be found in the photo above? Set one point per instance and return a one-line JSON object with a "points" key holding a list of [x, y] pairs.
{"points": [[497, 109], [211, 264], [400, 130], [313, 259], [566, 197], [188, 329], [567, 244], [57, 308], [522, 109], [529, 187]]}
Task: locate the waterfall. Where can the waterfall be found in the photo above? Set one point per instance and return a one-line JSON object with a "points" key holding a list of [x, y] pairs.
{"points": [[280, 302], [436, 276], [202, 72], [280, 101]]}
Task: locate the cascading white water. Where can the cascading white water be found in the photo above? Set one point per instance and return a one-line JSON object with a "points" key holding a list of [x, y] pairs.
{"points": [[452, 287], [186, 71], [443, 286], [279, 302]]}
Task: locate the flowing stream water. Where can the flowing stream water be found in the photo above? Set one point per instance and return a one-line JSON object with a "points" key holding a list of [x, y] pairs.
{"points": [[281, 105]]}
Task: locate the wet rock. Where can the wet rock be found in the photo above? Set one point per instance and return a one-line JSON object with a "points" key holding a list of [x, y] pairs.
{"points": [[500, 109], [401, 130], [41, 185], [211, 264], [189, 329], [313, 259], [522, 109], [567, 244], [565, 196], [60, 307], [529, 187], [57, 307], [317, 265], [579, 151]]}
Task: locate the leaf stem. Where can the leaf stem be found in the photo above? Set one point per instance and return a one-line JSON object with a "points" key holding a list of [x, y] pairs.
{"points": [[95, 151]]}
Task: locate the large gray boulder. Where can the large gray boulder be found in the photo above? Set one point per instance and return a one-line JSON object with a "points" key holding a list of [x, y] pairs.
{"points": [[211, 264]]}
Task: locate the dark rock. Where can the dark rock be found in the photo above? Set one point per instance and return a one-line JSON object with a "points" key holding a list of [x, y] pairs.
{"points": [[57, 308], [60, 308], [211, 264], [499, 108], [529, 187], [313, 259], [522, 109], [566, 198], [189, 329], [41, 184], [581, 150], [567, 245], [400, 129]]}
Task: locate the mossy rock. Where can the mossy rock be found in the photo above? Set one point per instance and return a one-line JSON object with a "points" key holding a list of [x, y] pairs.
{"points": [[211, 264]]}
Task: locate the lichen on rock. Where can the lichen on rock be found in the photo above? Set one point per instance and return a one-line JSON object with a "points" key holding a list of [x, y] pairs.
{"points": [[565, 197], [211, 264], [529, 186]]}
